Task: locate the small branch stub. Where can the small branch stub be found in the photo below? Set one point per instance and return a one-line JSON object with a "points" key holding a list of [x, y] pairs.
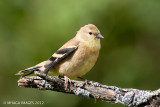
{"points": [[91, 89]]}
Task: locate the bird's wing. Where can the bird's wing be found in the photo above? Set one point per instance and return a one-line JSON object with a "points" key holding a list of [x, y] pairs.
{"points": [[60, 55]]}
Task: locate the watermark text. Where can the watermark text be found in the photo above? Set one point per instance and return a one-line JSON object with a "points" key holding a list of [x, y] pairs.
{"points": [[23, 102]]}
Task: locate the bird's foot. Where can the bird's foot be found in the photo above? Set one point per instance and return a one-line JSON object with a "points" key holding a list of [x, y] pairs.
{"points": [[85, 80], [67, 80]]}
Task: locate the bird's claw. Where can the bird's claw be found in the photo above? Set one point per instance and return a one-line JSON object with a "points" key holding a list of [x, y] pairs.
{"points": [[67, 80]]}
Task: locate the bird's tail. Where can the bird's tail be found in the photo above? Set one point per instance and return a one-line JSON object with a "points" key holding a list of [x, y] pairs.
{"points": [[28, 71]]}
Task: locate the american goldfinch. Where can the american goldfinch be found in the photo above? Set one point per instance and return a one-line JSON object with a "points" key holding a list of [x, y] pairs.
{"points": [[75, 58]]}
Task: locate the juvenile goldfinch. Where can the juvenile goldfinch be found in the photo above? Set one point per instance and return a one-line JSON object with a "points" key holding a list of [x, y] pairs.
{"points": [[75, 58]]}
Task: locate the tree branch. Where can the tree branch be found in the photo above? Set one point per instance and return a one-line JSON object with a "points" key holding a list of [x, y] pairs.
{"points": [[113, 94]]}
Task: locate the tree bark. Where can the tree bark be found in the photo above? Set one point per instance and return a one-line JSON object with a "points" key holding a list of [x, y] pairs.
{"points": [[128, 97]]}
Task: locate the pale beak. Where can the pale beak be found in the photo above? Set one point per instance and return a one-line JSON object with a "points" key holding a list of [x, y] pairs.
{"points": [[99, 36]]}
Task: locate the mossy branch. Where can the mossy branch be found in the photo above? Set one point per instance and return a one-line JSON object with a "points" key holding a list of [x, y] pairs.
{"points": [[91, 89]]}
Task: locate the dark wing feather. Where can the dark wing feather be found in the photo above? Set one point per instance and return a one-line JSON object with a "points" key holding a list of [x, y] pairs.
{"points": [[54, 60]]}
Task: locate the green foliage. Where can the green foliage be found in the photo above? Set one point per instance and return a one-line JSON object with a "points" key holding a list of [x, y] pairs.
{"points": [[31, 30]]}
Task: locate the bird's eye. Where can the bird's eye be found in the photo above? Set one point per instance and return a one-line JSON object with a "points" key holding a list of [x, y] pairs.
{"points": [[90, 33]]}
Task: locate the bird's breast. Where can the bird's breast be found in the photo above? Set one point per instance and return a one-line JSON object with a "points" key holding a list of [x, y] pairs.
{"points": [[78, 63]]}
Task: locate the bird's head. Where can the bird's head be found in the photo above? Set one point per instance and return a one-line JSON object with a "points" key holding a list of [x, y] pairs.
{"points": [[89, 32]]}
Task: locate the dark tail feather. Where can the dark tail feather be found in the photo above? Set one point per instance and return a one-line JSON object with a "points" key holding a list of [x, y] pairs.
{"points": [[28, 71]]}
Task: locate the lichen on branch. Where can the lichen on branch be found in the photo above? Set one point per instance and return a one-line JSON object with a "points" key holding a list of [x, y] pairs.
{"points": [[91, 89]]}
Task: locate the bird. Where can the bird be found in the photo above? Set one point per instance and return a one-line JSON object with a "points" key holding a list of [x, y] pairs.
{"points": [[75, 58]]}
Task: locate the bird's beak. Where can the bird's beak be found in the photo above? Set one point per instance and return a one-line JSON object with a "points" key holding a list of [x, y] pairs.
{"points": [[99, 36]]}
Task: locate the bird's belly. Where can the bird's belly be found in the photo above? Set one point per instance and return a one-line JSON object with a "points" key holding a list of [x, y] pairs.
{"points": [[77, 65], [81, 68]]}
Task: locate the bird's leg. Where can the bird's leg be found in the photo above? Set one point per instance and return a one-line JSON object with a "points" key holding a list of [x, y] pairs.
{"points": [[67, 80], [85, 80], [82, 78]]}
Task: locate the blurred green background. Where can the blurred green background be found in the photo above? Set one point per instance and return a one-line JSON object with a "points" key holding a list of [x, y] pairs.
{"points": [[31, 30]]}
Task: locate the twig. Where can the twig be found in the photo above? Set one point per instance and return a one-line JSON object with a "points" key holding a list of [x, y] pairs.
{"points": [[91, 89]]}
